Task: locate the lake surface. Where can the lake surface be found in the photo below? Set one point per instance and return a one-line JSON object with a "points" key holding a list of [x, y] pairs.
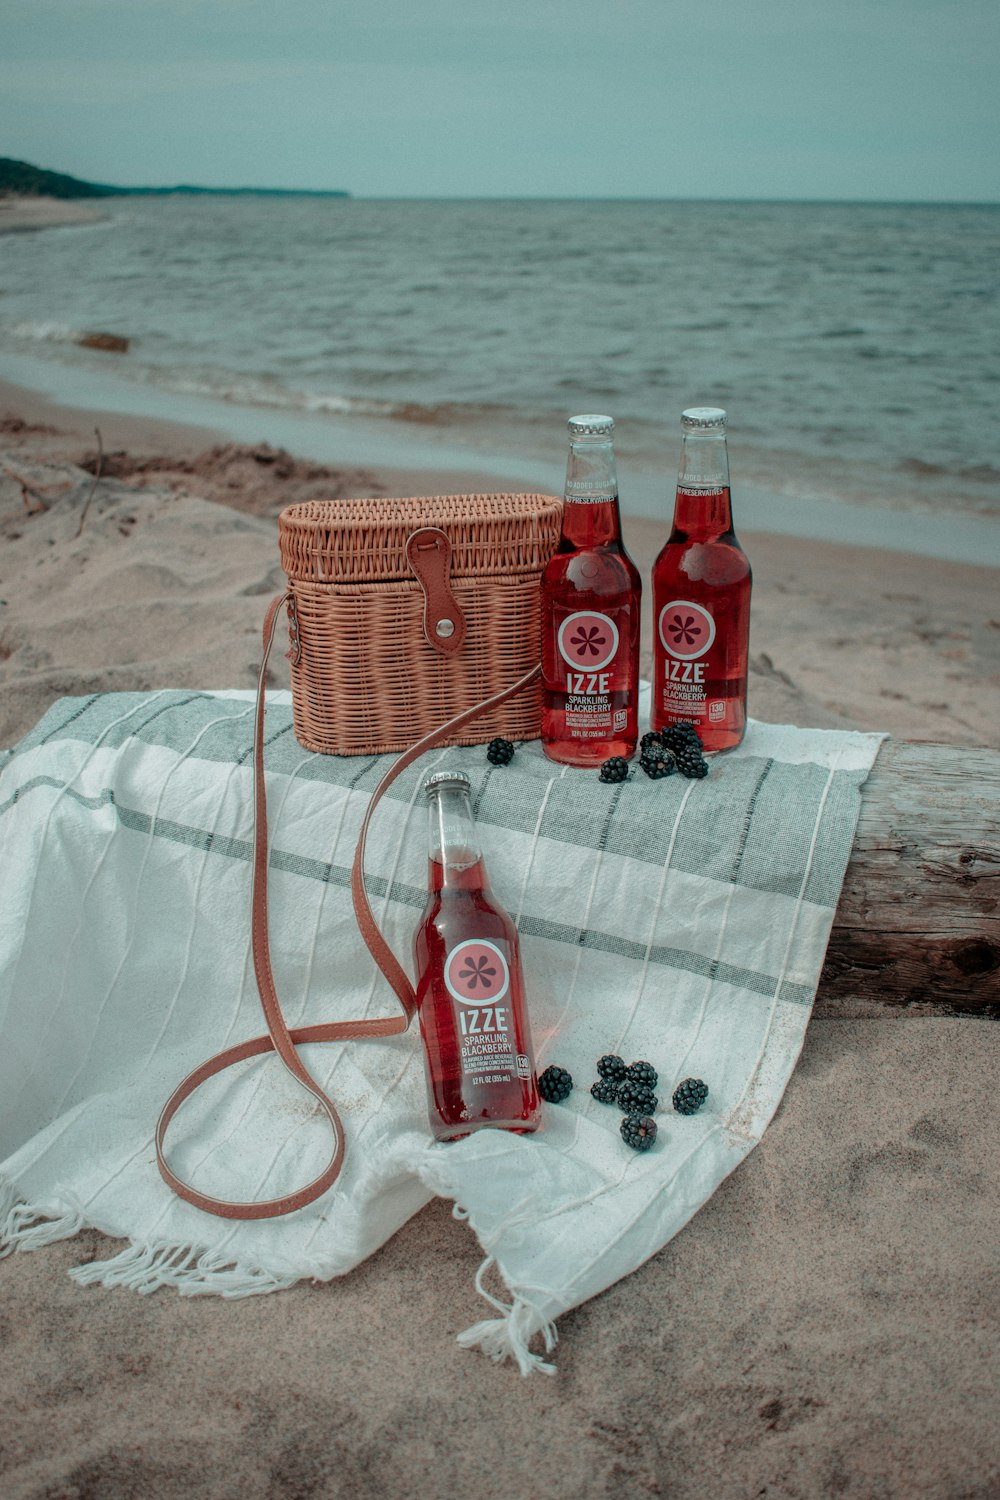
{"points": [[856, 347]]}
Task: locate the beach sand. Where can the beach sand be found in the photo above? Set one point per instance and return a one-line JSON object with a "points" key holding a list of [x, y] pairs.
{"points": [[825, 1325], [19, 214], [840, 635]]}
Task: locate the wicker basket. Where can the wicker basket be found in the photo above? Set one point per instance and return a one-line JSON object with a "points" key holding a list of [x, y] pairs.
{"points": [[385, 649]]}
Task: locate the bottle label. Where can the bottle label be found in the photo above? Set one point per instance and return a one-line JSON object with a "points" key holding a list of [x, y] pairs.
{"points": [[477, 976], [589, 492], [686, 632], [592, 652]]}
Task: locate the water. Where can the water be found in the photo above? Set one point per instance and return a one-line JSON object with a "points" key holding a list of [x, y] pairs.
{"points": [[855, 346]]}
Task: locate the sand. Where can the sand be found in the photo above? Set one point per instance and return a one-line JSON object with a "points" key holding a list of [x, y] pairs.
{"points": [[826, 1325], [19, 214], [840, 636]]}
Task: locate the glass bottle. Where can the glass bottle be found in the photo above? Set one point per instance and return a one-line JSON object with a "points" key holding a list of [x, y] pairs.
{"points": [[591, 593], [478, 1055], [701, 596]]}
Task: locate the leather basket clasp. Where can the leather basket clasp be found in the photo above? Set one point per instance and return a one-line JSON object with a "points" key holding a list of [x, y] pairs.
{"points": [[428, 552]]}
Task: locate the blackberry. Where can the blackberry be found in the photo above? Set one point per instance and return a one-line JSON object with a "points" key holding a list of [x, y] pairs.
{"points": [[636, 1098], [611, 1067], [679, 736], [615, 769], [638, 1131], [642, 1072], [657, 764], [500, 752], [555, 1085], [652, 743], [689, 1096], [605, 1091], [691, 762]]}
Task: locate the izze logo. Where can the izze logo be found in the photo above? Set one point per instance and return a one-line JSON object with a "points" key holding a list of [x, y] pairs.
{"points": [[476, 973], [686, 630], [587, 640]]}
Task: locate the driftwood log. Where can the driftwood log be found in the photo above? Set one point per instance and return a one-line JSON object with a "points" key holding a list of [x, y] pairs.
{"points": [[918, 921]]}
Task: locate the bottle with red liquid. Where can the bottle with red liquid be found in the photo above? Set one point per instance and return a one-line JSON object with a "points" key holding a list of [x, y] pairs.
{"points": [[701, 596], [470, 992], [591, 592]]}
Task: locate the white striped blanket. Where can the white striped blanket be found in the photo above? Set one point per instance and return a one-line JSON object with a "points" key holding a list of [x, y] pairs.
{"points": [[682, 922]]}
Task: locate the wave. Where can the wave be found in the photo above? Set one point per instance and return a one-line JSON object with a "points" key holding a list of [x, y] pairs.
{"points": [[241, 389], [984, 473], [63, 343], [48, 333], [520, 405]]}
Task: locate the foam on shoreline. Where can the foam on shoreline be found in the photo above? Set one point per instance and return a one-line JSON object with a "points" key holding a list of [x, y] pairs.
{"points": [[356, 440]]}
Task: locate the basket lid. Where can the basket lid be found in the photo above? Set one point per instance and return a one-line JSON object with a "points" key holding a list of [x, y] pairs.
{"points": [[356, 541]]}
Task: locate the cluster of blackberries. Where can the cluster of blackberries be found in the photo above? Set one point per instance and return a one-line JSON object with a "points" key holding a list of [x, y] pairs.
{"points": [[631, 1088], [661, 753], [676, 748]]}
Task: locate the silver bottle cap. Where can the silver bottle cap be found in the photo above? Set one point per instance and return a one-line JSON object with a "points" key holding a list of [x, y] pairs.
{"points": [[703, 419], [446, 778], [591, 426]]}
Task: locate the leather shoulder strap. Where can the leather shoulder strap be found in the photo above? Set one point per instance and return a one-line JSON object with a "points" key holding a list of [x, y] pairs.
{"points": [[279, 1038]]}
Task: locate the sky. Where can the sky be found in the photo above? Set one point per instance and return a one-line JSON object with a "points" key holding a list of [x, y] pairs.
{"points": [[829, 99]]}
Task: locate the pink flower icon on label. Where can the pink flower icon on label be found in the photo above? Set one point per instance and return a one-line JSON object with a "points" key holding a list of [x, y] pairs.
{"points": [[686, 629], [587, 639], [476, 972]]}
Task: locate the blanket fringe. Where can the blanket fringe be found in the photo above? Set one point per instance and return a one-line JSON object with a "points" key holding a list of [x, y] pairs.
{"points": [[508, 1336], [184, 1268], [23, 1226], [189, 1270]]}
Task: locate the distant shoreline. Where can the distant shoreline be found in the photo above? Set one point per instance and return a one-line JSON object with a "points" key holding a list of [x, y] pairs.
{"points": [[22, 179], [192, 190], [22, 214]]}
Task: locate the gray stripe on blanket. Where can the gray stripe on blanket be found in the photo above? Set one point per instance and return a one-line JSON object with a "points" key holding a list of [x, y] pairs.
{"points": [[409, 895], [758, 807]]}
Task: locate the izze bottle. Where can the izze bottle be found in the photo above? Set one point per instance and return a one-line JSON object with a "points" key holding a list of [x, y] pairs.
{"points": [[591, 592], [701, 596], [470, 994]]}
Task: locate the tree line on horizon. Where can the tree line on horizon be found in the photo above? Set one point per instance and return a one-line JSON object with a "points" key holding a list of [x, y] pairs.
{"points": [[28, 181]]}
